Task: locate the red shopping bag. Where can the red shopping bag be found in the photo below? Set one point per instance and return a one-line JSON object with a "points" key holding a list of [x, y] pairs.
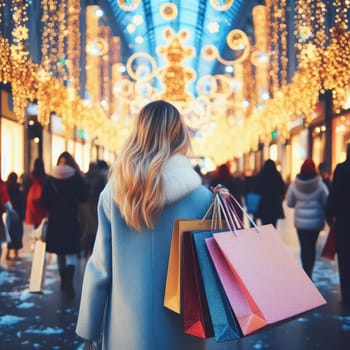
{"points": [[195, 308], [268, 273], [329, 248]]}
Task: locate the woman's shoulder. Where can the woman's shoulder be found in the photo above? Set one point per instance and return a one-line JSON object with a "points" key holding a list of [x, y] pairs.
{"points": [[200, 196]]}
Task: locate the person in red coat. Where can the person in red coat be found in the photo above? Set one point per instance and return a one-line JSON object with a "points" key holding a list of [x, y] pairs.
{"points": [[35, 210]]}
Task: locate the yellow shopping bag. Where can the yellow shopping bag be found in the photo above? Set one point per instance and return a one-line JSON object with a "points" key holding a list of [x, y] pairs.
{"points": [[172, 296]]}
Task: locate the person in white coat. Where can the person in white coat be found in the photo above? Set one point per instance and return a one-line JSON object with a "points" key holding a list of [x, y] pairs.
{"points": [[151, 184], [308, 195]]}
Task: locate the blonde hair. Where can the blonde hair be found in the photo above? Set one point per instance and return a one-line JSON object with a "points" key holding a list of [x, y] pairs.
{"points": [[158, 133]]}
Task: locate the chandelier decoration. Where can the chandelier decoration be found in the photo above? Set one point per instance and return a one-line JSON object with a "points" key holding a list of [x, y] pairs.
{"points": [[175, 75]]}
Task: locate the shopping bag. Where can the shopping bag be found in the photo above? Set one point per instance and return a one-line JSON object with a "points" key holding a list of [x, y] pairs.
{"points": [[172, 294], [223, 320], [268, 273], [247, 313], [195, 308], [329, 248], [4, 228], [37, 273]]}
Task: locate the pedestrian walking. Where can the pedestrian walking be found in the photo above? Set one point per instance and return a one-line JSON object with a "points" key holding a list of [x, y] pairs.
{"points": [[96, 181], [271, 188], [152, 183], [15, 223], [63, 191], [338, 214], [35, 210], [325, 174], [5, 206], [308, 196]]}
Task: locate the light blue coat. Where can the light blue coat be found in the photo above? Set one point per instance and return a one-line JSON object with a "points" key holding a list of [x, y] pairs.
{"points": [[125, 277]]}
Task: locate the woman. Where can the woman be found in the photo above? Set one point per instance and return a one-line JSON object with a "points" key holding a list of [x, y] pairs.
{"points": [[308, 195], [152, 183], [15, 224], [271, 188], [62, 193], [35, 211]]}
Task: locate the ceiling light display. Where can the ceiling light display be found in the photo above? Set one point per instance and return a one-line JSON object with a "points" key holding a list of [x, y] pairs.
{"points": [[128, 5], [221, 5], [139, 72], [213, 27], [168, 11], [97, 47]]}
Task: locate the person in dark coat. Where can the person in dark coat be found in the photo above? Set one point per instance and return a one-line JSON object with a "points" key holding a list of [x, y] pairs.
{"points": [[15, 223], [271, 187], [338, 213], [35, 210], [5, 206], [96, 180], [62, 194]]}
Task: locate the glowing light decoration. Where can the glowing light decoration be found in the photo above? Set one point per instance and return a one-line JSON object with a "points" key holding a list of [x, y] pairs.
{"points": [[128, 5], [141, 73], [168, 11], [237, 41], [175, 76], [221, 5], [241, 98]]}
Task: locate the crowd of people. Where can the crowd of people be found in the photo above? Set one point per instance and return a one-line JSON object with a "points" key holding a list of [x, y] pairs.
{"points": [[123, 223], [67, 197]]}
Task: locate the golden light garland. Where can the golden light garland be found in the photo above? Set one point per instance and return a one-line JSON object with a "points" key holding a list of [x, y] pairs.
{"points": [[61, 63], [4, 53], [22, 75]]}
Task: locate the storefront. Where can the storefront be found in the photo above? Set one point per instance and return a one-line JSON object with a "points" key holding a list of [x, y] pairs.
{"points": [[298, 146], [12, 139], [340, 137]]}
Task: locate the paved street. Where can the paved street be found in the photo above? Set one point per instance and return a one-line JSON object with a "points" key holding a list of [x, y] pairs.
{"points": [[47, 321]]}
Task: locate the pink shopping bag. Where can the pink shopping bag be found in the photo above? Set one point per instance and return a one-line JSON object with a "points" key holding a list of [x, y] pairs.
{"points": [[268, 273], [245, 309]]}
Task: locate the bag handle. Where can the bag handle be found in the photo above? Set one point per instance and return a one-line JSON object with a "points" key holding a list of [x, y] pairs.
{"points": [[227, 201], [216, 217], [222, 207], [89, 345]]}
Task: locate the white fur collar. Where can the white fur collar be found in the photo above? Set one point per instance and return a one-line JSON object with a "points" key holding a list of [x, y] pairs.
{"points": [[179, 178]]}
